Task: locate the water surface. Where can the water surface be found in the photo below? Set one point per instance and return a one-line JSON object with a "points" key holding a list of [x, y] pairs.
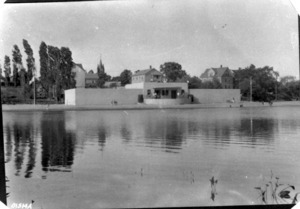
{"points": [[149, 158]]}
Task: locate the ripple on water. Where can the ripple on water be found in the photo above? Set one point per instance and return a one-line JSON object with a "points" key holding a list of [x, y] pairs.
{"points": [[168, 152]]}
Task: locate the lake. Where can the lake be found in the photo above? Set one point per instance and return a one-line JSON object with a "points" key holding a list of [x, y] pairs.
{"points": [[150, 158]]}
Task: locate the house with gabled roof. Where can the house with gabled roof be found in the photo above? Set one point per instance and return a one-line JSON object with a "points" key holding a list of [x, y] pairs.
{"points": [[91, 80], [149, 75], [223, 74], [156, 90]]}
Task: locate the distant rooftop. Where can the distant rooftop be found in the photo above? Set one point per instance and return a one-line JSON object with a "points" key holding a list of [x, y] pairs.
{"points": [[91, 76], [144, 72], [219, 72], [78, 64]]}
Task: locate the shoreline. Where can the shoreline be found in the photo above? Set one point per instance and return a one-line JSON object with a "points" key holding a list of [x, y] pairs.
{"points": [[62, 107]]}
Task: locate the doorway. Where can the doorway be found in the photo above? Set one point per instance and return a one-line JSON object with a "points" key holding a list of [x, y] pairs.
{"points": [[173, 94]]}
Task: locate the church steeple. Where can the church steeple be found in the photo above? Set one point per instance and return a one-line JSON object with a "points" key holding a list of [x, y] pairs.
{"points": [[100, 67]]}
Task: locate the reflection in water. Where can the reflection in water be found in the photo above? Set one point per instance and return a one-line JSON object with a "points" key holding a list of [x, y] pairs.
{"points": [[23, 140], [31, 153], [126, 133], [173, 135], [9, 145], [217, 132], [19, 150], [170, 131], [144, 143], [57, 143], [102, 137], [258, 130], [166, 132], [248, 131]]}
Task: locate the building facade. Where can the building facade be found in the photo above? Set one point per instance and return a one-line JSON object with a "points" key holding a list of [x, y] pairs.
{"points": [[223, 74], [149, 75], [156, 91], [148, 87], [112, 84], [91, 80], [80, 73]]}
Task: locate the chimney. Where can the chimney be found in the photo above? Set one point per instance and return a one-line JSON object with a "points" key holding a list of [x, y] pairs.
{"points": [[221, 66], [150, 67]]}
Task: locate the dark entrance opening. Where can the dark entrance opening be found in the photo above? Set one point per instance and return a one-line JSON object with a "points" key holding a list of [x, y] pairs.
{"points": [[173, 94]]}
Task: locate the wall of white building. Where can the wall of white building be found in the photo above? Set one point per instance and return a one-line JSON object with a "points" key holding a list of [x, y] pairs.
{"points": [[83, 97], [206, 96], [70, 97]]}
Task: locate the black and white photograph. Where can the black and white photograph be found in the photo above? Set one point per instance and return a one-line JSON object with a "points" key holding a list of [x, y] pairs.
{"points": [[149, 104]]}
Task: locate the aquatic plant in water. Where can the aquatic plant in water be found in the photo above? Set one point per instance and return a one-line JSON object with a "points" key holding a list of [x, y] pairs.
{"points": [[274, 192], [213, 184]]}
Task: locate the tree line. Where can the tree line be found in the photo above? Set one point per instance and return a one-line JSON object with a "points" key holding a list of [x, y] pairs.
{"points": [[20, 76], [55, 69], [261, 84]]}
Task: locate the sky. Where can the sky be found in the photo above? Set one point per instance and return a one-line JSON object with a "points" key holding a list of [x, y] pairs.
{"points": [[134, 34]]}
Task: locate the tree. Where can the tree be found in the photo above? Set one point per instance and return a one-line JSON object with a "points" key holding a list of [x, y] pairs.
{"points": [[288, 88], [30, 60], [113, 85], [125, 77], [101, 79], [7, 70], [1, 77], [214, 84], [172, 71], [115, 78], [287, 79], [264, 82], [17, 64], [44, 67], [68, 78], [195, 83], [184, 79], [54, 72], [22, 77], [102, 75], [107, 77]]}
